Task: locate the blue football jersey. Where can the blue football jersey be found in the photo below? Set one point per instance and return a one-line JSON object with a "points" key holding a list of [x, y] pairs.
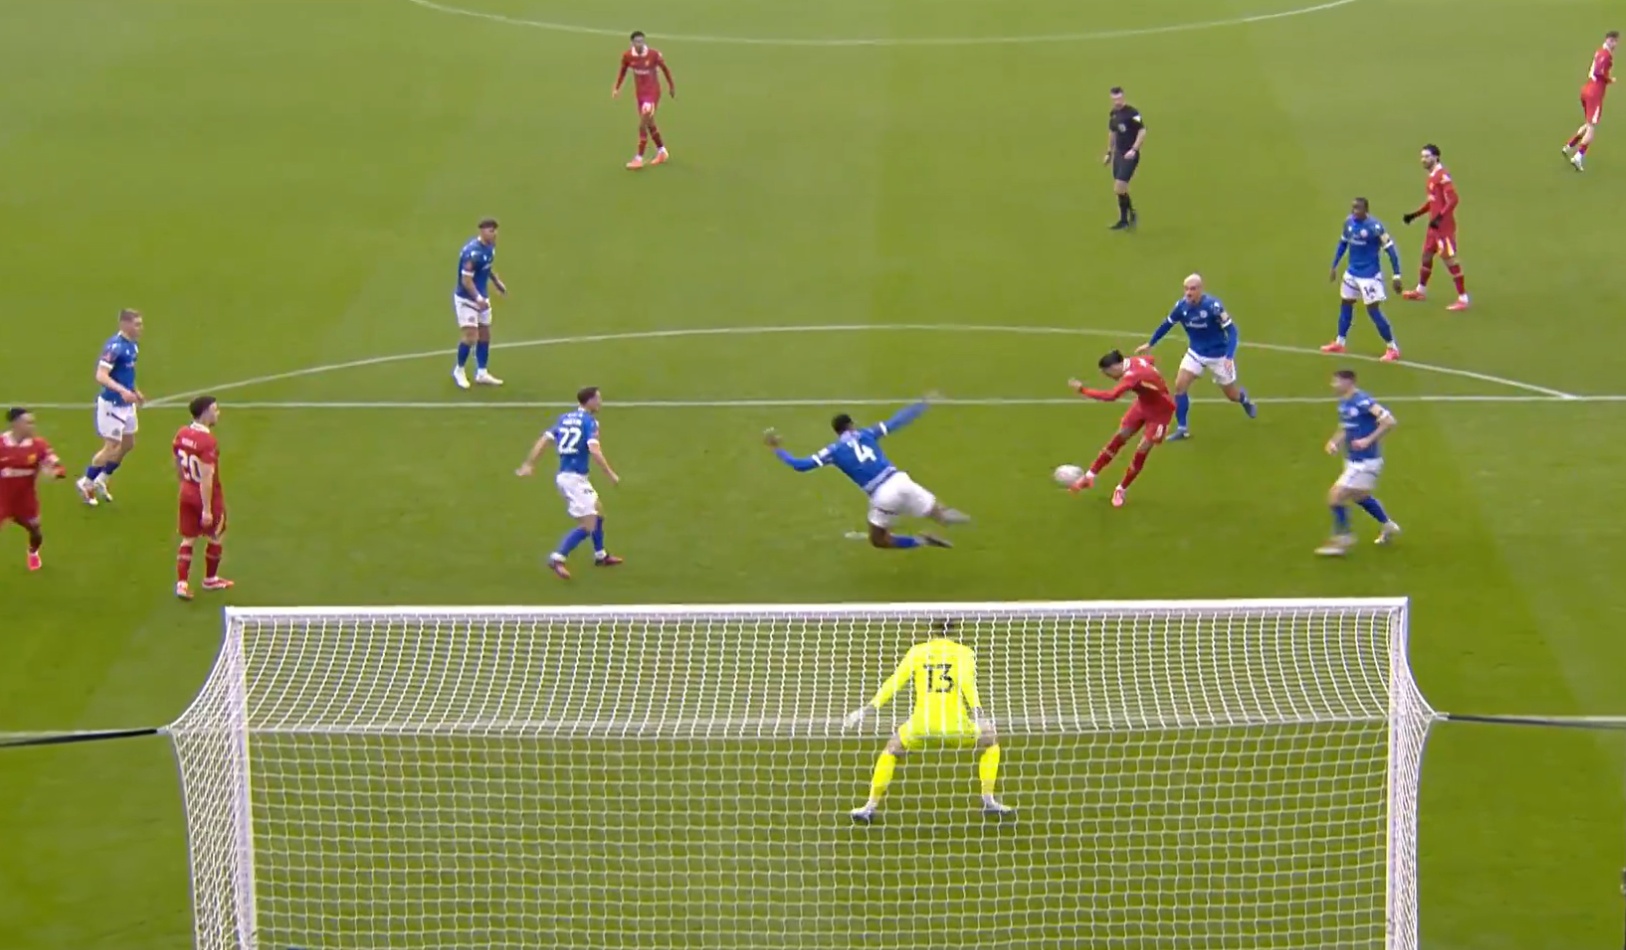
{"points": [[572, 434], [1207, 326], [857, 452], [859, 456], [119, 358], [1366, 240], [475, 262], [1359, 415]]}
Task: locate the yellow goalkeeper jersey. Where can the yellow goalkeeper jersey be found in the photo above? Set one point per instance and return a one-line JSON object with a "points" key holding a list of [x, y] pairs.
{"points": [[944, 674]]}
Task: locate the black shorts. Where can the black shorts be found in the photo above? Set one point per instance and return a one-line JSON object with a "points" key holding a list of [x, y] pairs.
{"points": [[1123, 169]]}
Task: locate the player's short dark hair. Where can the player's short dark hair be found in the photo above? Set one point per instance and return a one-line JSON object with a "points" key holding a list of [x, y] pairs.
{"points": [[1116, 91], [1432, 149], [1363, 204], [636, 35], [128, 314], [488, 223], [1113, 358], [15, 413], [1347, 375], [584, 394], [1612, 35], [200, 405], [841, 423]]}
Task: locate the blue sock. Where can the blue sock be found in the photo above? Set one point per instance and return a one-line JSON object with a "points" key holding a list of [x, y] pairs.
{"points": [[598, 536], [91, 471], [1374, 508], [462, 354], [576, 536], [110, 468], [482, 354], [1346, 317], [1182, 408], [1340, 519], [1384, 329], [1242, 398], [904, 542]]}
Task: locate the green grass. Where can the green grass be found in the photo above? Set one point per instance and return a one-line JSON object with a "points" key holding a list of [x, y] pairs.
{"points": [[280, 184]]}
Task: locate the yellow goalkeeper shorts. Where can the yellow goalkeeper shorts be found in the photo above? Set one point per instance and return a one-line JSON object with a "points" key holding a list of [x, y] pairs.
{"points": [[956, 733]]}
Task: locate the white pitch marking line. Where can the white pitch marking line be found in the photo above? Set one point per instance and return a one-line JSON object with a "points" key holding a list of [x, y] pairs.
{"points": [[821, 328], [893, 41], [837, 403]]}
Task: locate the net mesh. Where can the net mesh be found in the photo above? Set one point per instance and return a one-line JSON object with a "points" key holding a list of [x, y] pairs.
{"points": [[1185, 775]]}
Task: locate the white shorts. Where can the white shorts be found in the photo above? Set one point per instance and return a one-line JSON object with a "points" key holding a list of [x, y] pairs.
{"points": [[581, 498], [468, 315], [1368, 290], [1224, 370], [899, 497], [114, 421], [1361, 474]]}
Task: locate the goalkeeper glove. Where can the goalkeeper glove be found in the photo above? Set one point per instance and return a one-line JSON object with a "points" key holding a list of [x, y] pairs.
{"points": [[1408, 217], [856, 717]]}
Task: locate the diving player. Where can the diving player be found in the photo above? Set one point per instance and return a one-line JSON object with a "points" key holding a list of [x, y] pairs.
{"points": [[892, 493]]}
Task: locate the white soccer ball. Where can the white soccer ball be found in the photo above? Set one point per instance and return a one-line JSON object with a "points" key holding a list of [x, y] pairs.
{"points": [[1068, 474]]}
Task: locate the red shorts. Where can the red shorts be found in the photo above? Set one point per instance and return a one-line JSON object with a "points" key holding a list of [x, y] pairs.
{"points": [[1442, 240], [191, 520], [1592, 104], [22, 507], [1155, 421], [648, 102]]}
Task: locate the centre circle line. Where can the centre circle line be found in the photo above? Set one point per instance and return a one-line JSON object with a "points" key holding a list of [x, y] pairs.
{"points": [[839, 42], [828, 328]]}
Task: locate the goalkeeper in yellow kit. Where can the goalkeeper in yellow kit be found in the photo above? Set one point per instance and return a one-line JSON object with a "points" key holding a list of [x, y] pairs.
{"points": [[947, 713]]}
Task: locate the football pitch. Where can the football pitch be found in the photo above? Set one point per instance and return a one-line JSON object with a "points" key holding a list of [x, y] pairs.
{"points": [[867, 200]]}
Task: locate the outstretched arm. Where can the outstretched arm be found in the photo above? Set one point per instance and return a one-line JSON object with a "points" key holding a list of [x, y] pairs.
{"points": [[772, 440], [1105, 395], [903, 417], [1162, 331]]}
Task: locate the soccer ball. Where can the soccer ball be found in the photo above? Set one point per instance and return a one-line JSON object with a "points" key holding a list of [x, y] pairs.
{"points": [[1066, 475]]}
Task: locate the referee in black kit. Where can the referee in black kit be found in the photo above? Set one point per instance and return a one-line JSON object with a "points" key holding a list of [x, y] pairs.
{"points": [[1125, 135]]}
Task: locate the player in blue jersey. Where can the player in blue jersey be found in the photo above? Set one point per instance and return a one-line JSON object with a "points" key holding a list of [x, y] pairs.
{"points": [[1212, 341], [1362, 424], [472, 305], [1365, 240], [116, 407], [892, 493], [574, 436]]}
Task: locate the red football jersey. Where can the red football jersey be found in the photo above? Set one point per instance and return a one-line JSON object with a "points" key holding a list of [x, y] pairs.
{"points": [[21, 463], [1603, 61], [1442, 197], [194, 447], [1141, 377], [643, 66]]}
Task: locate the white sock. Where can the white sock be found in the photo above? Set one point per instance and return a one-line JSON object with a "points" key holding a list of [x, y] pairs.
{"points": [[1340, 341]]}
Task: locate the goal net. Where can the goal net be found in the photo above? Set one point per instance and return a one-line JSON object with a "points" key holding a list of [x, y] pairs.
{"points": [[1218, 775]]}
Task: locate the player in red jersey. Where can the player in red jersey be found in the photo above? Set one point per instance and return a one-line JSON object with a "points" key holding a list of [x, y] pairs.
{"points": [[1153, 411], [1597, 82], [23, 457], [1441, 210], [203, 499], [643, 60]]}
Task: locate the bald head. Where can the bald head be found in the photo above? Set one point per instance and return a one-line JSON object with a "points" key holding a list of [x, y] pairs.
{"points": [[1194, 287]]}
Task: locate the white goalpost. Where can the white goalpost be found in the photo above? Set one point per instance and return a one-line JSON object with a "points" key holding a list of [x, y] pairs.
{"points": [[1185, 774]]}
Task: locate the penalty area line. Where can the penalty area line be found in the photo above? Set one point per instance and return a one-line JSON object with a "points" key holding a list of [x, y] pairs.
{"points": [[451, 404]]}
